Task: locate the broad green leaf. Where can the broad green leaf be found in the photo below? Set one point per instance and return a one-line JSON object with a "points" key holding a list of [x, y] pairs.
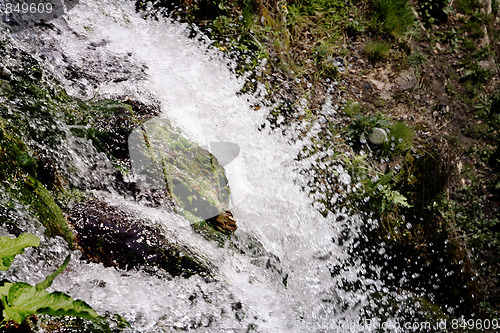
{"points": [[10, 247], [21, 300], [49, 279]]}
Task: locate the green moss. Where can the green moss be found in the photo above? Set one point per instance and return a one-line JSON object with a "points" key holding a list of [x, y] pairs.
{"points": [[35, 117], [108, 123], [18, 169], [49, 213], [191, 175], [400, 139], [208, 231]]}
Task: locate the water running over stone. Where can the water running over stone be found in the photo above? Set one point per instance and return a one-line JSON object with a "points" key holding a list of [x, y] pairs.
{"points": [[275, 275]]}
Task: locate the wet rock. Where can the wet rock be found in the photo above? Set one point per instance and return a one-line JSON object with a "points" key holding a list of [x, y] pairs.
{"points": [[111, 236], [172, 170], [111, 124], [163, 159], [378, 136], [18, 174], [223, 222], [17, 20]]}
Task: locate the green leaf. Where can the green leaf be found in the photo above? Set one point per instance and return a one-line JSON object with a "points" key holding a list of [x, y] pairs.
{"points": [[399, 199], [10, 247], [21, 300], [386, 178], [49, 279]]}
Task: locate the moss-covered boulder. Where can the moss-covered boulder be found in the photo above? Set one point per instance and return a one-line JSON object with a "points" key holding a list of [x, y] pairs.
{"points": [[162, 158]]}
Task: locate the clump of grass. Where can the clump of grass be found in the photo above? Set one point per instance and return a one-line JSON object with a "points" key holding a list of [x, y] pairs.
{"points": [[400, 138], [377, 51], [415, 59], [474, 78], [352, 108], [323, 55], [474, 27], [393, 17], [325, 21]]}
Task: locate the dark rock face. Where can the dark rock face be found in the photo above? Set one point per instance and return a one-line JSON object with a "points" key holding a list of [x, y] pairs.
{"points": [[109, 235], [111, 123]]}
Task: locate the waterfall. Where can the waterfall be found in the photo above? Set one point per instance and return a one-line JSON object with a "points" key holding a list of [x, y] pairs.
{"points": [[275, 273]]}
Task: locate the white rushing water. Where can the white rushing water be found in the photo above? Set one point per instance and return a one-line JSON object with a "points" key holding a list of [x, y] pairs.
{"points": [[275, 274]]}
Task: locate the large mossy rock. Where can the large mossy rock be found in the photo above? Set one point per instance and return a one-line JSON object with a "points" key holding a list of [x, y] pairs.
{"points": [[163, 159]]}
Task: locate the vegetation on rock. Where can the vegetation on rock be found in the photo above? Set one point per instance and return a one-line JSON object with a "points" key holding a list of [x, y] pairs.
{"points": [[191, 175]]}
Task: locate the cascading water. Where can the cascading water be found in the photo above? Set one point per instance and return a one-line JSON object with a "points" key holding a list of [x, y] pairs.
{"points": [[275, 274]]}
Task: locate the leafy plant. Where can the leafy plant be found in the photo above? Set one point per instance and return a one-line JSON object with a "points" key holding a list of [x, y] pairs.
{"points": [[386, 197], [9, 248], [416, 59], [474, 77], [21, 300], [351, 108], [362, 126], [378, 187]]}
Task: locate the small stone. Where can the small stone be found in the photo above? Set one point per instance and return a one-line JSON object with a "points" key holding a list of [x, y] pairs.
{"points": [[224, 222], [406, 80], [377, 136]]}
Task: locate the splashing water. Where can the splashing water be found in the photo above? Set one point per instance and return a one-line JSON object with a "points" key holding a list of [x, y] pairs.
{"points": [[275, 275]]}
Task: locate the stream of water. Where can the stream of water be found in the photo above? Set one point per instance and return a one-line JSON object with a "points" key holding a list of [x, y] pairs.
{"points": [[275, 273]]}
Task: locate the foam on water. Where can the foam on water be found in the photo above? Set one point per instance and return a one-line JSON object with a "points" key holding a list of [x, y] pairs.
{"points": [[277, 266]]}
